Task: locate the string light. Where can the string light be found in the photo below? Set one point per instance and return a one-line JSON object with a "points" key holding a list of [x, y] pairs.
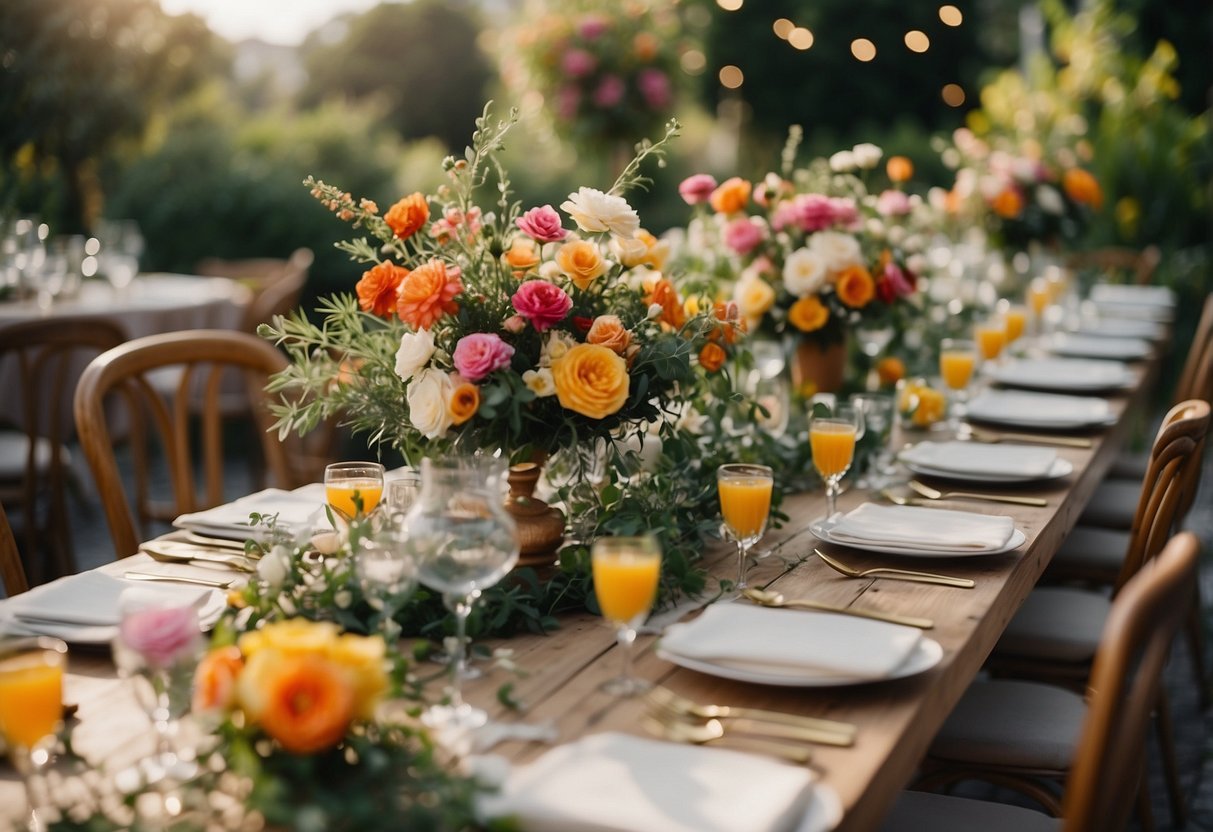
{"points": [[693, 62], [730, 5], [953, 95], [863, 49], [783, 27], [731, 76], [801, 38], [917, 41], [950, 15]]}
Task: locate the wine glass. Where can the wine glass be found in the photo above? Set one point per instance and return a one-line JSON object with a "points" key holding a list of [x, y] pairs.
{"points": [[1015, 317], [353, 489], [402, 492], [775, 398], [31, 707], [877, 412], [991, 338], [832, 439], [626, 573], [957, 358], [745, 504], [464, 542], [386, 572]]}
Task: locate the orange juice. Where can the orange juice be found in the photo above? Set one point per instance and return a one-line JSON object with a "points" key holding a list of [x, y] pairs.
{"points": [[833, 447], [745, 503], [991, 338], [1015, 319], [31, 698], [626, 583], [340, 495], [956, 367]]}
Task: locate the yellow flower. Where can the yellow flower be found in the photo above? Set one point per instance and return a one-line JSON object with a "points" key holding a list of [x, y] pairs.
{"points": [[591, 380], [924, 405], [522, 256], [754, 297], [808, 314], [581, 262]]}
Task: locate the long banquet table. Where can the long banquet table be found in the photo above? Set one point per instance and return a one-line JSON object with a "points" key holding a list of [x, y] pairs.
{"points": [[896, 720]]}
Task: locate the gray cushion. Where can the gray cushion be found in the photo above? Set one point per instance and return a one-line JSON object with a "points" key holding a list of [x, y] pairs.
{"points": [[1093, 548], [1130, 466], [1113, 504], [1056, 623], [1011, 723], [926, 812]]}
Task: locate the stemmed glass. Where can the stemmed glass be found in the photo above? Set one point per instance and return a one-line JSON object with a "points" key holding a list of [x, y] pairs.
{"points": [[353, 489], [745, 504], [626, 573], [957, 358], [31, 707], [877, 412], [1039, 297], [832, 439], [991, 338], [464, 542], [387, 573]]}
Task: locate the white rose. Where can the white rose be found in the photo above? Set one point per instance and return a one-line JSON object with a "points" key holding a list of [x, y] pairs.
{"points": [[836, 249], [274, 567], [1050, 200], [427, 399], [842, 162], [557, 344], [866, 155], [596, 212], [540, 382], [804, 272], [550, 271], [416, 349]]}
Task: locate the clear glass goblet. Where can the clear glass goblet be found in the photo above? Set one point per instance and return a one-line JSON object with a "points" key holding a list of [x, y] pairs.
{"points": [[627, 571], [745, 506], [833, 439], [387, 574], [877, 412]]}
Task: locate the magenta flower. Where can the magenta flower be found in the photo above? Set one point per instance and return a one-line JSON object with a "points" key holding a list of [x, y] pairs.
{"points": [[901, 282], [654, 86], [815, 212], [577, 63], [697, 189], [893, 203], [543, 304], [592, 26], [610, 91], [542, 224], [742, 235], [162, 636], [481, 353]]}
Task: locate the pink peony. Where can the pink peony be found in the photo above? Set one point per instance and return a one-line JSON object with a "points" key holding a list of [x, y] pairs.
{"points": [[162, 636], [815, 212], [592, 26], [542, 224], [543, 304], [697, 189], [577, 63], [654, 86], [786, 213], [893, 203], [610, 91], [742, 235], [481, 353], [845, 212]]}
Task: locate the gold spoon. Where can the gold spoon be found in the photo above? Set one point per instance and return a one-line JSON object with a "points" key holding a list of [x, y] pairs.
{"points": [[767, 598], [804, 729], [933, 494], [894, 574], [993, 438], [712, 731]]}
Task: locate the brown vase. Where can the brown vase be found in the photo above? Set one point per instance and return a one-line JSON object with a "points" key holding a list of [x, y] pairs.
{"points": [[540, 527], [824, 366]]}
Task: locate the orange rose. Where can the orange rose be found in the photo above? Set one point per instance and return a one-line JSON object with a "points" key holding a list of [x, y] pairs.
{"points": [[377, 288], [712, 356], [215, 679], [1082, 187], [406, 217], [808, 314], [855, 287], [645, 45], [1008, 204], [608, 331], [581, 262], [308, 702], [665, 295], [890, 370], [899, 169], [591, 380], [730, 196], [428, 293], [465, 401], [522, 256]]}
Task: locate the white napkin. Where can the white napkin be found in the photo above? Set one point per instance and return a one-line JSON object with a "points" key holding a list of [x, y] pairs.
{"points": [[976, 458], [1133, 294], [923, 529], [619, 783], [771, 640], [91, 599], [1100, 347], [301, 510], [1044, 409], [1061, 373]]}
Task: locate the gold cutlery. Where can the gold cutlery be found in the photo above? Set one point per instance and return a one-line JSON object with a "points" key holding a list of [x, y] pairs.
{"points": [[168, 551], [212, 542], [178, 579], [981, 435], [713, 730], [894, 574], [934, 494], [806, 728], [898, 499], [766, 598]]}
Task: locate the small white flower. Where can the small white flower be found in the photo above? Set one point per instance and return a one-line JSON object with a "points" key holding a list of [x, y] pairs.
{"points": [[427, 399], [343, 599], [804, 272], [540, 382], [866, 155], [326, 543], [274, 567], [1050, 200], [837, 249], [596, 212], [655, 311], [555, 346], [550, 271], [842, 162], [416, 349]]}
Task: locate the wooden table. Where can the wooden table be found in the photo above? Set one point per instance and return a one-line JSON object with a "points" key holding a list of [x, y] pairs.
{"points": [[896, 719]]}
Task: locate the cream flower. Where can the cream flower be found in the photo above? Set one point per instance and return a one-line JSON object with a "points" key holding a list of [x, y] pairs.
{"points": [[416, 349], [754, 299], [842, 162], [804, 272], [836, 249], [596, 213], [557, 344], [1050, 201], [866, 155], [540, 382], [427, 399]]}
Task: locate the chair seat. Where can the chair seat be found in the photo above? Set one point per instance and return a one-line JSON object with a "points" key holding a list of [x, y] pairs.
{"points": [[1056, 623], [14, 449], [1005, 722], [922, 811], [1092, 549], [1113, 504], [1130, 466]]}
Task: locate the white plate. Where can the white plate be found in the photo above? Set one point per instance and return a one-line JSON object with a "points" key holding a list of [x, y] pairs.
{"points": [[1159, 296], [1059, 469], [926, 655], [821, 530], [1049, 411], [1074, 374], [1081, 346], [1121, 328]]}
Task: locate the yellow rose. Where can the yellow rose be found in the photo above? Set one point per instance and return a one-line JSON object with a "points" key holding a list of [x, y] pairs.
{"points": [[581, 262], [293, 636], [522, 257], [363, 657], [754, 297], [591, 380]]}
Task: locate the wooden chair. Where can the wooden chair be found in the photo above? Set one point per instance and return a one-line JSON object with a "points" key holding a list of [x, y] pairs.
{"points": [[279, 292], [12, 573], [48, 355], [1138, 265], [204, 355], [1107, 763]]}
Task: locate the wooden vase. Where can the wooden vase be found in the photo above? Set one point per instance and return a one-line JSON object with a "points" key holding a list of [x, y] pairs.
{"points": [[823, 366], [540, 527]]}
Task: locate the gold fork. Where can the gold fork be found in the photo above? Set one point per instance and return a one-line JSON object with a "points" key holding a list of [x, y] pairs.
{"points": [[814, 729], [894, 574], [934, 494], [981, 435], [712, 730]]}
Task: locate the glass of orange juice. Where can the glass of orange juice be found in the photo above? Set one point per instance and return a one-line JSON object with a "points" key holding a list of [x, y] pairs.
{"points": [[832, 439], [626, 572], [31, 707], [1039, 298], [745, 503], [991, 338], [957, 358], [1015, 318], [353, 489]]}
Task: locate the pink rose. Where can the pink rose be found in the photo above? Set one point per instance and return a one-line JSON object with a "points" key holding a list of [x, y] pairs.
{"points": [[845, 212], [542, 224], [654, 85], [577, 63], [514, 324], [610, 91], [543, 304], [814, 212], [893, 203], [742, 235], [162, 636], [481, 353], [786, 213], [592, 26], [697, 189]]}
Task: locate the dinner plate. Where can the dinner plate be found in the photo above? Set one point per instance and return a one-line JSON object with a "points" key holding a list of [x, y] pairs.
{"points": [[1059, 469], [1048, 411], [1121, 328], [1064, 374], [1133, 294], [926, 655], [1081, 346], [821, 530]]}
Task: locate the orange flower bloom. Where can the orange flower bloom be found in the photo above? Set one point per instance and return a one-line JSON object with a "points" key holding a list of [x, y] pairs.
{"points": [[428, 293], [1008, 204], [522, 257], [608, 331], [377, 288], [309, 703], [890, 370], [855, 287], [899, 169], [732, 326], [665, 295], [645, 46], [591, 380], [808, 314], [465, 401], [712, 356], [1082, 187], [730, 196], [581, 262], [407, 216], [215, 679]]}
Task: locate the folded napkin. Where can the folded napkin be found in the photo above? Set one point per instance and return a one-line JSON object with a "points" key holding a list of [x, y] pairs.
{"points": [[619, 783], [1044, 409], [976, 458], [1061, 373], [774, 641], [90, 599], [299, 511], [923, 529]]}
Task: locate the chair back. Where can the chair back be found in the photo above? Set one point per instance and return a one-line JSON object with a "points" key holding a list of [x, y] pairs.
{"points": [[12, 573], [279, 294], [1196, 377], [1175, 462], [201, 357], [1139, 265], [1125, 678]]}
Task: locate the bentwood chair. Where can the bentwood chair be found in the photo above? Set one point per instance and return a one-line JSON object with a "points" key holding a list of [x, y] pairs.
{"points": [[1139, 265], [279, 292], [1101, 743], [12, 573], [35, 468], [164, 424]]}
